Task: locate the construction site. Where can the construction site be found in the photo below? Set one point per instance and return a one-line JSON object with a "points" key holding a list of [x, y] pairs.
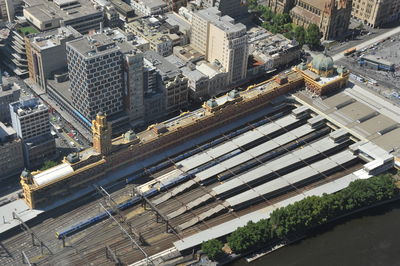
{"points": [[297, 145]]}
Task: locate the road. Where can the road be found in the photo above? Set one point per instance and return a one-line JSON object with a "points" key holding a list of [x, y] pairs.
{"points": [[367, 43]]}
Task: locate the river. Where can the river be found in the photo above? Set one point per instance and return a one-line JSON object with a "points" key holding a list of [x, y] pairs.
{"points": [[369, 238]]}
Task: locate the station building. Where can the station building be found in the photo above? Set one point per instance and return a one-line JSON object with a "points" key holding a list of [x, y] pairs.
{"points": [[109, 157], [321, 76]]}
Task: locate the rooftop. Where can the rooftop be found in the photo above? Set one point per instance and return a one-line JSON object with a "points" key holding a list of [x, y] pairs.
{"points": [[52, 38], [101, 43], [266, 45], [163, 66], [225, 23], [362, 113], [8, 85], [7, 133], [156, 29], [377, 59], [44, 10], [27, 107]]}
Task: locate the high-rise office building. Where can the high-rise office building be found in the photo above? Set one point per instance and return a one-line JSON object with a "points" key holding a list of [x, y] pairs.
{"points": [[223, 42], [106, 75], [95, 71]]}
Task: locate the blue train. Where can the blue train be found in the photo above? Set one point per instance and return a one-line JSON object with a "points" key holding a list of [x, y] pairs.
{"points": [[182, 178]]}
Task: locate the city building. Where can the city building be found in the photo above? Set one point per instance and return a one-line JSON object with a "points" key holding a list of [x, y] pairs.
{"points": [[7, 10], [170, 81], [30, 119], [161, 35], [47, 15], [154, 96], [376, 63], [331, 16], [134, 87], [111, 15], [269, 52], [11, 156], [204, 79], [321, 76], [175, 5], [42, 188], [95, 71], [149, 7], [222, 41], [13, 51], [9, 93], [125, 11], [376, 13], [46, 53], [60, 89], [232, 8]]}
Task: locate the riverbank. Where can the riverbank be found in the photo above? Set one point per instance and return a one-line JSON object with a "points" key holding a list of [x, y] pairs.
{"points": [[265, 251], [362, 239], [293, 222]]}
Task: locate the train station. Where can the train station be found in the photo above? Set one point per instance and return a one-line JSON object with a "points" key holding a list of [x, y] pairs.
{"points": [[152, 196]]}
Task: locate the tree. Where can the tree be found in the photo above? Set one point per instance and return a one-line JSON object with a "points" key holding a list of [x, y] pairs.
{"points": [[300, 35], [213, 248], [48, 164], [313, 36], [252, 4]]}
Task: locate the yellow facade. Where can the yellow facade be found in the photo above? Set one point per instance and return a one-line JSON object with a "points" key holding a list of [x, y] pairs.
{"points": [[109, 155]]}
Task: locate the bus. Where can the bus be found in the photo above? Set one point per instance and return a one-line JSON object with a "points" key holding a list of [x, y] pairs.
{"points": [[350, 51]]}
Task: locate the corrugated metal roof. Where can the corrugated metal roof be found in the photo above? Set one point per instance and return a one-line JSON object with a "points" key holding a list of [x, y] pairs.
{"points": [[247, 137], [230, 226], [292, 178], [254, 152], [278, 164]]}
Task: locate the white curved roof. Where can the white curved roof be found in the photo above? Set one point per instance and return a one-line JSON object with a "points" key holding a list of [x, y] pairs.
{"points": [[52, 174]]}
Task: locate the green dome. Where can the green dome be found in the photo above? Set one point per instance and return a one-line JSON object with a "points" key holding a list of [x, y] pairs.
{"points": [[322, 62], [212, 103]]}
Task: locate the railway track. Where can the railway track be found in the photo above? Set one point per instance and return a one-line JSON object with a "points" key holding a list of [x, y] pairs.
{"points": [[88, 246]]}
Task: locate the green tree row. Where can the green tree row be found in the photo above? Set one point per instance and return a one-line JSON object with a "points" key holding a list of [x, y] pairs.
{"points": [[307, 213], [282, 23]]}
